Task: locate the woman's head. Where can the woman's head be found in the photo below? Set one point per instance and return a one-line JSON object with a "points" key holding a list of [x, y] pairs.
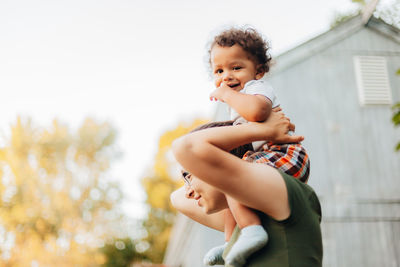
{"points": [[208, 197]]}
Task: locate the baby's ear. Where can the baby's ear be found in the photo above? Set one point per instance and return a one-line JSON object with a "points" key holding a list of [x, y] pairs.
{"points": [[260, 71]]}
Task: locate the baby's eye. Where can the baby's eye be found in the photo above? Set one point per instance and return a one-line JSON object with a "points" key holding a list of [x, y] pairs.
{"points": [[237, 68], [218, 71]]}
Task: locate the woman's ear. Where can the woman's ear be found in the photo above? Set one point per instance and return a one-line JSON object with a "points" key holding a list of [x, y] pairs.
{"points": [[260, 71]]}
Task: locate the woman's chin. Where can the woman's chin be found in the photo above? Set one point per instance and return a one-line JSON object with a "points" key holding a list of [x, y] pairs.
{"points": [[209, 210]]}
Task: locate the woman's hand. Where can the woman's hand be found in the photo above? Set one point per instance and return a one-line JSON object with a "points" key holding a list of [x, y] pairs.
{"points": [[276, 128]]}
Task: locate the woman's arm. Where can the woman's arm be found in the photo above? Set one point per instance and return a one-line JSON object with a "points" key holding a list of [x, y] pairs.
{"points": [[275, 129]]}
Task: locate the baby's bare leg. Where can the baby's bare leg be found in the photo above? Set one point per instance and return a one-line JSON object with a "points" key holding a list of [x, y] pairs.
{"points": [[230, 224], [243, 215], [214, 255], [252, 237]]}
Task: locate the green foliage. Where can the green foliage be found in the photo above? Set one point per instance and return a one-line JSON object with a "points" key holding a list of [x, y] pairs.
{"points": [[396, 115], [360, 2], [158, 224], [396, 120], [120, 253], [342, 17]]}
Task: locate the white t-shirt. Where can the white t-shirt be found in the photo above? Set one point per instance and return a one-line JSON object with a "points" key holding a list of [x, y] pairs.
{"points": [[255, 87]]}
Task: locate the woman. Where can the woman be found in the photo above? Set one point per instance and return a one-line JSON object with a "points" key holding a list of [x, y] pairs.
{"points": [[288, 208]]}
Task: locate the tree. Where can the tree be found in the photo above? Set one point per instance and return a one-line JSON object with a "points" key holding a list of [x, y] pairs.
{"points": [[388, 13], [120, 253], [396, 115], [343, 16], [158, 186], [57, 204], [396, 120]]}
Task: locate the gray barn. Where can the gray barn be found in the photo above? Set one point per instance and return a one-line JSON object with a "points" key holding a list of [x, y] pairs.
{"points": [[338, 89]]}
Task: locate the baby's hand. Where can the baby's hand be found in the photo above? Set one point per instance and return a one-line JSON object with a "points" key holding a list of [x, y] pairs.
{"points": [[219, 93]]}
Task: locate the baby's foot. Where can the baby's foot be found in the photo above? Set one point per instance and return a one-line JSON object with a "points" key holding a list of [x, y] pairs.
{"points": [[214, 256], [251, 239]]}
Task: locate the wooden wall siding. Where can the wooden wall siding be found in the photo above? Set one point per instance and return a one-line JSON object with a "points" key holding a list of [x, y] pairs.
{"points": [[190, 243], [364, 244]]}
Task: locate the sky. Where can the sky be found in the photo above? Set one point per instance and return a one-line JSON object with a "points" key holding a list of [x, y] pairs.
{"points": [[140, 65]]}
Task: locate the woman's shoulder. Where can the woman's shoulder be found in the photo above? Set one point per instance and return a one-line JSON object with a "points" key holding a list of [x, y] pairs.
{"points": [[302, 199], [296, 186]]}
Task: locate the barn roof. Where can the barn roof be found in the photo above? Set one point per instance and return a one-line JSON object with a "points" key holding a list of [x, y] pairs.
{"points": [[333, 36]]}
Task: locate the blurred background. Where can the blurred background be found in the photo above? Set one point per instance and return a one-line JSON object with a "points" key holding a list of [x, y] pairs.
{"points": [[93, 94]]}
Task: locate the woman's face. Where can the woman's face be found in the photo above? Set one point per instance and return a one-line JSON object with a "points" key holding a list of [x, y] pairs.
{"points": [[208, 197]]}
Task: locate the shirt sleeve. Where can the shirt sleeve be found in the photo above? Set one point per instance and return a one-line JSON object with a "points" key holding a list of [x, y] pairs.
{"points": [[261, 87], [302, 200]]}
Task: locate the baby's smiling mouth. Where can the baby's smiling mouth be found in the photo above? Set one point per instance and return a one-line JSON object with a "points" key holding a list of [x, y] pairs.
{"points": [[233, 85]]}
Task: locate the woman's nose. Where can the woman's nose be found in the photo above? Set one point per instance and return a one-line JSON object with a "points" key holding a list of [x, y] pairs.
{"points": [[189, 192]]}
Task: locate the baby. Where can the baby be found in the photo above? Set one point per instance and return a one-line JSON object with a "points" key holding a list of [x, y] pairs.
{"points": [[239, 60]]}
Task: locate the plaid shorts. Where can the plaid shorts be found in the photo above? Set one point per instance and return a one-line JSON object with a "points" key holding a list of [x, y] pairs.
{"points": [[289, 158]]}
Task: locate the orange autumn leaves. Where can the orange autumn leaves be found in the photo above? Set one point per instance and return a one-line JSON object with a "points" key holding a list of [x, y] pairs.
{"points": [[56, 201]]}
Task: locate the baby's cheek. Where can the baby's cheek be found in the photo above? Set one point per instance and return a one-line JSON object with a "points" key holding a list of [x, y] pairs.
{"points": [[218, 82]]}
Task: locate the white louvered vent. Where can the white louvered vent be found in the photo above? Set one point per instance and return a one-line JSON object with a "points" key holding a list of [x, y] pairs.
{"points": [[372, 80]]}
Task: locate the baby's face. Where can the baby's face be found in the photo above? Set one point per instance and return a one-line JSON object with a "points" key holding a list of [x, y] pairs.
{"points": [[233, 67]]}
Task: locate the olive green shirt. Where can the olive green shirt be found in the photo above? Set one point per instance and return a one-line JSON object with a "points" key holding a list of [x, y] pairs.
{"points": [[296, 241]]}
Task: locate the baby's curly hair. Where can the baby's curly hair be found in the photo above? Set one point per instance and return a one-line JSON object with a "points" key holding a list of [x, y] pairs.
{"points": [[250, 40]]}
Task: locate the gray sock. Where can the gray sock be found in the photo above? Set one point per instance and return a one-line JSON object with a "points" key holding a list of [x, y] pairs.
{"points": [[251, 239], [214, 256]]}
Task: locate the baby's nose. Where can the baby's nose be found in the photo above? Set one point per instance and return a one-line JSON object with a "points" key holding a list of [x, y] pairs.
{"points": [[227, 76]]}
